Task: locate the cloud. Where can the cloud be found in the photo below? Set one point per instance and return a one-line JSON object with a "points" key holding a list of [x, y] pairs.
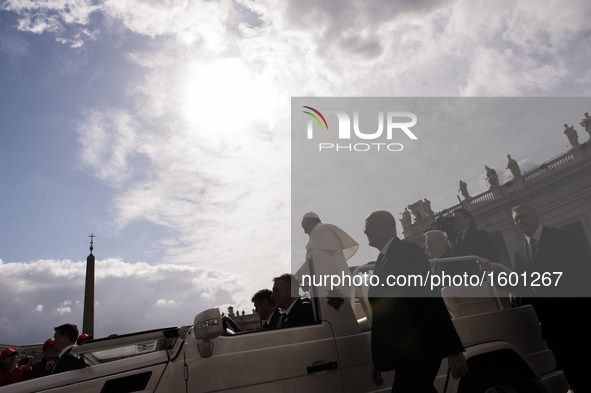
{"points": [[64, 19], [190, 23], [527, 164], [509, 74], [200, 152], [519, 50], [164, 302], [108, 142], [384, 47], [164, 295], [63, 310]]}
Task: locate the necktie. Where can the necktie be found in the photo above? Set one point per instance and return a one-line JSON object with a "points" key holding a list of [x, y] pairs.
{"points": [[55, 364], [459, 238], [283, 320], [533, 248], [378, 266]]}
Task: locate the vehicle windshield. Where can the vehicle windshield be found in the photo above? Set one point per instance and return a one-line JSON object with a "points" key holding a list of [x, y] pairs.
{"points": [[127, 346], [128, 351]]}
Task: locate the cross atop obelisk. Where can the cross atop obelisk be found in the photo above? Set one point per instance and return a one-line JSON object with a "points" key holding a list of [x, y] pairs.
{"points": [[91, 236]]}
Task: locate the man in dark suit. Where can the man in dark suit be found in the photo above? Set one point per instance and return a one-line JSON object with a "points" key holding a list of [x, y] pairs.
{"points": [[471, 241], [264, 305], [64, 339], [563, 309], [297, 312], [411, 331]]}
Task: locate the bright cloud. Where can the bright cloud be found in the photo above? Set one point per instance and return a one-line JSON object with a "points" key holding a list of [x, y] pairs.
{"points": [[164, 302], [63, 310]]}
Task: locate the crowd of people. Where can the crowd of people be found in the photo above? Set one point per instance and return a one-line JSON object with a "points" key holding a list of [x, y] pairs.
{"points": [[57, 357]]}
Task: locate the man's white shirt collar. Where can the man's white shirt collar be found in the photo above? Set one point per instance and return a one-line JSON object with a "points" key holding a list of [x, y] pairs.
{"points": [[66, 349], [290, 307]]}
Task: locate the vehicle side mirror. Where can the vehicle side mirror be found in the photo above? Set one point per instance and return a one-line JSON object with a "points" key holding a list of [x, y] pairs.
{"points": [[207, 326]]}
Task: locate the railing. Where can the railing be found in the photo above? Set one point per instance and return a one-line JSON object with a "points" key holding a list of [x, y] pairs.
{"points": [[484, 197], [548, 168]]}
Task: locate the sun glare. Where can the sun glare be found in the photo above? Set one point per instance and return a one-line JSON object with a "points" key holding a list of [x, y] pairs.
{"points": [[226, 96]]}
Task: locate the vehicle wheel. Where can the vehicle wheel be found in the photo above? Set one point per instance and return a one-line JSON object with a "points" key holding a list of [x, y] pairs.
{"points": [[493, 380], [229, 322]]}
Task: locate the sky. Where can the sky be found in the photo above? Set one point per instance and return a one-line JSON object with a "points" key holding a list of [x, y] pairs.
{"points": [[164, 129]]}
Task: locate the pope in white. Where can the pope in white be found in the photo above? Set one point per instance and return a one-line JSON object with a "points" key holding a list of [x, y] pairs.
{"points": [[330, 240]]}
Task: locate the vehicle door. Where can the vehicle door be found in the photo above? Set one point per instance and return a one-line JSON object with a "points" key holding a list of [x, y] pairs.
{"points": [[288, 360]]}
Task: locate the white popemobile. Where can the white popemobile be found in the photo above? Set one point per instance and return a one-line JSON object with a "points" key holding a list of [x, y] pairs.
{"points": [[504, 349]]}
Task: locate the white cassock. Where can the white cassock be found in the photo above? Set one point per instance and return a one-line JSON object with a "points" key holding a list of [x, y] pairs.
{"points": [[333, 241]]}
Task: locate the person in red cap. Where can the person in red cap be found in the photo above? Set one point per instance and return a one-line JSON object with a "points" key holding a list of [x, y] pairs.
{"points": [[9, 372], [43, 367], [82, 339]]}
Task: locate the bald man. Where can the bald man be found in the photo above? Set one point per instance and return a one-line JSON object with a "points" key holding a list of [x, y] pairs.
{"points": [[410, 334]]}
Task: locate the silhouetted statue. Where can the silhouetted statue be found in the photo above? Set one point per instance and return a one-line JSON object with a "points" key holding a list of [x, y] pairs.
{"points": [[586, 123], [406, 218], [572, 135], [491, 176], [513, 166], [417, 214], [464, 189], [427, 207]]}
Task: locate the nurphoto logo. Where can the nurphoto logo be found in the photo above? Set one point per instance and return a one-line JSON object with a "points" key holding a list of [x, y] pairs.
{"points": [[396, 124]]}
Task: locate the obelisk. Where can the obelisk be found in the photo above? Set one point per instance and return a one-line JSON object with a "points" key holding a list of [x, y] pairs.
{"points": [[88, 319]]}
